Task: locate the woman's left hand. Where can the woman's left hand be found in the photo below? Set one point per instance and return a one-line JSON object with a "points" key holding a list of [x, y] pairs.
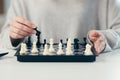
{"points": [[98, 41]]}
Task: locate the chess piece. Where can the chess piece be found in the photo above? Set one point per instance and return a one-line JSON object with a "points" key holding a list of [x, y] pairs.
{"points": [[85, 41], [51, 49], [76, 43], [23, 49], [45, 42], [88, 50], [29, 43], [69, 48], [38, 38], [66, 43], [62, 42], [60, 51], [34, 49], [46, 50]]}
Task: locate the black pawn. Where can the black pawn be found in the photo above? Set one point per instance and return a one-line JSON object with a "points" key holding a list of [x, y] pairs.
{"points": [[29, 43], [44, 43], [76, 43], [62, 42], [85, 41], [66, 42]]}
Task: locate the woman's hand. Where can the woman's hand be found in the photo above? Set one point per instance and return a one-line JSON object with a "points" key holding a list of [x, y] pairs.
{"points": [[21, 28], [98, 41]]}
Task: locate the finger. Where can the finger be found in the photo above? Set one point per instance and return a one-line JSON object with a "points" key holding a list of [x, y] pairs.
{"points": [[93, 39], [94, 33], [24, 22], [20, 32], [22, 27], [15, 36]]}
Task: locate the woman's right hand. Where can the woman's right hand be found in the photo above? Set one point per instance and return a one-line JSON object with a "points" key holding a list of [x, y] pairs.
{"points": [[21, 28]]}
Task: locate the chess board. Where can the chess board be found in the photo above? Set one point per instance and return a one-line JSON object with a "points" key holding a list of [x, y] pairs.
{"points": [[78, 55]]}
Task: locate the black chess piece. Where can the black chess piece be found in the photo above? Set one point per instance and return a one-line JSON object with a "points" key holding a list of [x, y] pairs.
{"points": [[76, 43], [29, 43], [62, 42], [38, 33], [85, 41], [45, 41], [66, 42]]}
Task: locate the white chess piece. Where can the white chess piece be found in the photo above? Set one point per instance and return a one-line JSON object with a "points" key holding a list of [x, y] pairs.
{"points": [[34, 49], [88, 50], [69, 48], [51, 49], [60, 51], [23, 49], [46, 50]]}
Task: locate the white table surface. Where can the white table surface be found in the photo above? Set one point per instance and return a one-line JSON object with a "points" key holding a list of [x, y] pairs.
{"points": [[106, 67]]}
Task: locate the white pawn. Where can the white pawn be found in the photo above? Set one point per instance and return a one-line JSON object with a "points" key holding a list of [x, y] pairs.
{"points": [[69, 42], [34, 49], [60, 51], [46, 50], [51, 49], [23, 49], [88, 50], [69, 48]]}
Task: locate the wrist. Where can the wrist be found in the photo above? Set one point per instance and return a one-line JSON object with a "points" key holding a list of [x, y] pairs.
{"points": [[15, 42]]}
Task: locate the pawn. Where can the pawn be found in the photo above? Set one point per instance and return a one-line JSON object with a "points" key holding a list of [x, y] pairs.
{"points": [[69, 48], [23, 49], [44, 43], [69, 42], [62, 42], [46, 50], [88, 50], [85, 41], [34, 49], [76, 43], [69, 51], [60, 51], [51, 49]]}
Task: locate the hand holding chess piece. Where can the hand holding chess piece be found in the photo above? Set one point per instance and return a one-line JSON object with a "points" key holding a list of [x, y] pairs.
{"points": [[19, 29], [98, 41]]}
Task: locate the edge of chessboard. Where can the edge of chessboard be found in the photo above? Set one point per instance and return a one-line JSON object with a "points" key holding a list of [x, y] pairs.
{"points": [[55, 58]]}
